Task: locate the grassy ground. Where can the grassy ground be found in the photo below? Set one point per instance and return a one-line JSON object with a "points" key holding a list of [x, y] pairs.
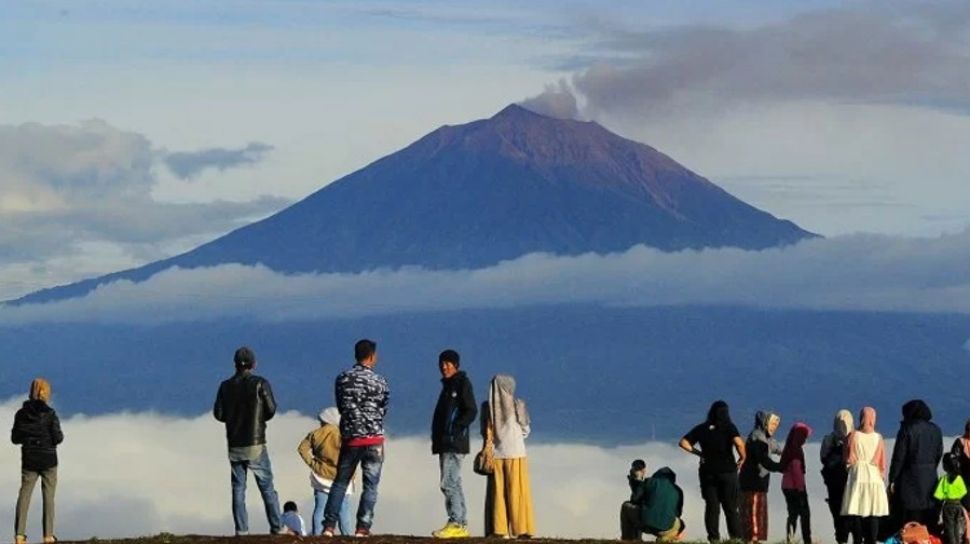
{"points": [[287, 539]]}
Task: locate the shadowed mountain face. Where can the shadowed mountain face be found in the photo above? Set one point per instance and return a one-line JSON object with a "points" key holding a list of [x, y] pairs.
{"points": [[472, 195]]}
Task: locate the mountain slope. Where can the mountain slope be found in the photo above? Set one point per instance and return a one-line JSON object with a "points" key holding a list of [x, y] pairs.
{"points": [[472, 195]]}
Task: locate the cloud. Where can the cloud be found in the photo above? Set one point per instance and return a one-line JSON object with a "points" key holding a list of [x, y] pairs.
{"points": [[557, 101], [872, 273], [188, 164], [67, 188], [912, 55], [139, 474]]}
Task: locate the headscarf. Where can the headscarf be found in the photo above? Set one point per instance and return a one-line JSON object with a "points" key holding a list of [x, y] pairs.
{"points": [[916, 410], [330, 416], [795, 443], [843, 424], [40, 389], [501, 401], [719, 415], [760, 433], [867, 425]]}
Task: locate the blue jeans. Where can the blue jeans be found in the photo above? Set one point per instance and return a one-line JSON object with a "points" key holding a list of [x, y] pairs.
{"points": [[346, 523], [370, 459], [451, 486], [264, 481]]}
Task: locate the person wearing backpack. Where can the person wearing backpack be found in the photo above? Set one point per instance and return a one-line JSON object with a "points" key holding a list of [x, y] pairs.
{"points": [[37, 430], [834, 472]]}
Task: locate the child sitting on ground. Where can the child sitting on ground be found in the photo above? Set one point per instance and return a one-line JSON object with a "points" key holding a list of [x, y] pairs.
{"points": [[638, 473], [292, 522], [950, 490]]}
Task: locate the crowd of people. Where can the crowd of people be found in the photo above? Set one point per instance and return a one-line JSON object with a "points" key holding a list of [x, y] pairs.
{"points": [[908, 503], [904, 503]]}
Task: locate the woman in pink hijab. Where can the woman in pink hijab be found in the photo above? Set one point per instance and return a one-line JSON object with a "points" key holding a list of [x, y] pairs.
{"points": [[865, 496]]}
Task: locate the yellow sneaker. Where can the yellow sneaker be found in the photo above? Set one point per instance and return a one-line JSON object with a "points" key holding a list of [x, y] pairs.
{"points": [[20, 539], [451, 530]]}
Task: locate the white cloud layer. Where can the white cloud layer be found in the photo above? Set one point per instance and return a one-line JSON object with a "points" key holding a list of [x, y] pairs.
{"points": [[876, 273], [140, 474]]}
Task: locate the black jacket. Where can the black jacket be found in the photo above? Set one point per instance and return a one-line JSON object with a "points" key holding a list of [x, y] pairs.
{"points": [[38, 431], [453, 415], [918, 450], [758, 465], [245, 403]]}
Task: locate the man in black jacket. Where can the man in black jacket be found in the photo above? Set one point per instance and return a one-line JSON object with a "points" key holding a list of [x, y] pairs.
{"points": [[453, 415], [245, 403]]}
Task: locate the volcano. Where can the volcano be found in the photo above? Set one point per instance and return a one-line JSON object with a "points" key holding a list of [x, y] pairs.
{"points": [[472, 195]]}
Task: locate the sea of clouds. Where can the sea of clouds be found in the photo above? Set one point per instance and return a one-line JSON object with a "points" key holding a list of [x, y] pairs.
{"points": [[142, 473]]}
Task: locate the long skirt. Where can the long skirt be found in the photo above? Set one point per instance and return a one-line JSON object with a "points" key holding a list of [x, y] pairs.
{"points": [[754, 516], [508, 500]]}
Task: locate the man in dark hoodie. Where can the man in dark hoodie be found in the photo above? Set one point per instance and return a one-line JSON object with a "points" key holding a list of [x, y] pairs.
{"points": [[659, 503], [912, 472], [455, 412], [37, 430]]}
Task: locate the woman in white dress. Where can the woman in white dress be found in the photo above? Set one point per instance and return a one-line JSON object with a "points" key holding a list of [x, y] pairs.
{"points": [[865, 496]]}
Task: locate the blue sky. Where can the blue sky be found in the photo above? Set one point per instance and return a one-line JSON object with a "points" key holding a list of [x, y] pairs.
{"points": [[845, 117]]}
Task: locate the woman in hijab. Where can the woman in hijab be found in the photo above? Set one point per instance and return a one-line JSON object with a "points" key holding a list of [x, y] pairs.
{"points": [[961, 452], [508, 499], [912, 472], [38, 431], [715, 441], [793, 482], [834, 472], [755, 476], [865, 492]]}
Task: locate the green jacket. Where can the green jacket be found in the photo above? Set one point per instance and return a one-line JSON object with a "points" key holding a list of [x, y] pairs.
{"points": [[661, 501], [948, 490]]}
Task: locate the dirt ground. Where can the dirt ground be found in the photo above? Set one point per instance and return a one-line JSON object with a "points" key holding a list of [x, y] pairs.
{"points": [[289, 539]]}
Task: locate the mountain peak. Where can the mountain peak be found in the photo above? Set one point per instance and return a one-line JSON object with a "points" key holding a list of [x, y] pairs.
{"points": [[473, 195]]}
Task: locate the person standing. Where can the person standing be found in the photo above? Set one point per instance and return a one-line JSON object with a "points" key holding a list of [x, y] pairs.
{"points": [[834, 471], [453, 414], [755, 477], [912, 472], [865, 498], [362, 399], [961, 456], [508, 499], [244, 404], [320, 450], [793, 482], [37, 430], [718, 438]]}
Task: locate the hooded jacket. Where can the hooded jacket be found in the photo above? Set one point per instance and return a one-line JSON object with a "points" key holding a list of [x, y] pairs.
{"points": [[661, 501], [755, 474], [37, 430], [245, 403], [453, 415], [321, 448], [793, 457], [916, 454], [362, 398]]}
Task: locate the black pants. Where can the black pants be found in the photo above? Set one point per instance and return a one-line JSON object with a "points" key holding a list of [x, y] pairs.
{"points": [[720, 492], [835, 486], [953, 522], [864, 530], [797, 502]]}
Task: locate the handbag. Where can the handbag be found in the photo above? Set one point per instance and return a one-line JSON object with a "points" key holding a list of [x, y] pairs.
{"points": [[485, 460]]}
